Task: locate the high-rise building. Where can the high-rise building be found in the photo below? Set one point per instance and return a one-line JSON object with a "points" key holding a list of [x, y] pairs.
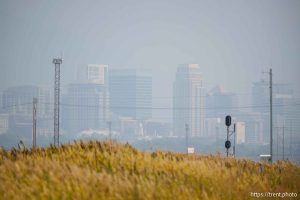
{"points": [[93, 73], [87, 100], [130, 93], [85, 106], [188, 101]]}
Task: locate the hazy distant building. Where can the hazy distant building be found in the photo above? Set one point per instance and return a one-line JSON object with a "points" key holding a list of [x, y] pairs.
{"points": [[188, 100], [240, 132], [220, 102], [130, 128], [283, 109], [254, 126], [17, 104], [260, 96], [157, 128], [282, 95], [18, 100], [213, 128], [85, 106], [93, 73], [130, 93], [4, 123], [87, 100], [1, 106]]}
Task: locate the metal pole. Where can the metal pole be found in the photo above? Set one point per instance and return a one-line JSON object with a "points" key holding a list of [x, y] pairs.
{"points": [[217, 137], [34, 103], [271, 117], [227, 140], [283, 142], [109, 128], [277, 130], [291, 132], [186, 137]]}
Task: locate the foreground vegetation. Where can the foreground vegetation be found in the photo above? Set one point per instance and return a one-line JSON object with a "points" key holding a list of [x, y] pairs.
{"points": [[101, 170]]}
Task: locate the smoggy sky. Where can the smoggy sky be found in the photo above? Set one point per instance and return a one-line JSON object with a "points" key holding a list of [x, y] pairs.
{"points": [[232, 41]]}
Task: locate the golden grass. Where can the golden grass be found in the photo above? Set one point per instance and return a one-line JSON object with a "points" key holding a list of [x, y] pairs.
{"points": [[100, 170]]}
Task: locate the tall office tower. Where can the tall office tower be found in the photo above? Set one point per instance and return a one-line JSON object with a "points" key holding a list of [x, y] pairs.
{"points": [[87, 99], [86, 107], [130, 93], [188, 101], [93, 73]]}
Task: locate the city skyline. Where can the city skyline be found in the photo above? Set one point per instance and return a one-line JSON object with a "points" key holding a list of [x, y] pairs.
{"points": [[140, 99], [232, 45]]}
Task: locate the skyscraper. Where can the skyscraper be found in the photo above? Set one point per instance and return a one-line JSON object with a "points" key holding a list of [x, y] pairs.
{"points": [[188, 100], [93, 73], [86, 107], [130, 93], [87, 100]]}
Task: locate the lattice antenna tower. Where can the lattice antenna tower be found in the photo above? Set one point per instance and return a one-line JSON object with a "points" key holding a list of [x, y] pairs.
{"points": [[57, 62]]}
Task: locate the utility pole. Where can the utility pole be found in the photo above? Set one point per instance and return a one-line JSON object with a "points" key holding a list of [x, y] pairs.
{"points": [[277, 133], [56, 62], [109, 128], [34, 108], [291, 132], [187, 137], [283, 142], [271, 116]]}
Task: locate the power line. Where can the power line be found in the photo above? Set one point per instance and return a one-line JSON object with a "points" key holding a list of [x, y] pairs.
{"points": [[14, 105], [171, 108]]}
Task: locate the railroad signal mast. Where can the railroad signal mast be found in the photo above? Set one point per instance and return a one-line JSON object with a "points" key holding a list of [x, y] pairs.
{"points": [[57, 62], [227, 142]]}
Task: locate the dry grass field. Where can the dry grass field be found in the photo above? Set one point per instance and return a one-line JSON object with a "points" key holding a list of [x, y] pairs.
{"points": [[101, 170]]}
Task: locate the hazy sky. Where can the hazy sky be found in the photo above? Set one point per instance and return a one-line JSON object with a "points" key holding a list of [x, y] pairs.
{"points": [[233, 41]]}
